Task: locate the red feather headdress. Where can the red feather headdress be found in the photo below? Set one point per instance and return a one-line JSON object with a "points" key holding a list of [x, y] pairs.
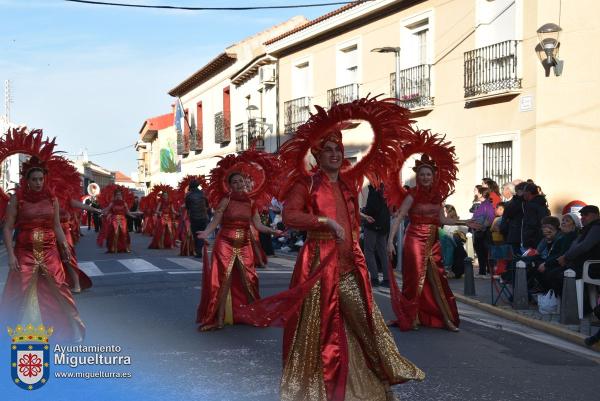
{"points": [[391, 130], [19, 140], [184, 184], [438, 154], [256, 166], [107, 194]]}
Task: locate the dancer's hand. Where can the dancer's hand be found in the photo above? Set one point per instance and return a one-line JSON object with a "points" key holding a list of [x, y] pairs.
{"points": [[13, 264], [202, 234], [278, 233], [337, 229], [391, 249]]}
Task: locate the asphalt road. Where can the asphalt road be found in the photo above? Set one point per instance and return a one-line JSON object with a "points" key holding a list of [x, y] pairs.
{"points": [[145, 302]]}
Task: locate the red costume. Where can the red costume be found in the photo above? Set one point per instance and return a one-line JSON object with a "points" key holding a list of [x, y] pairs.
{"points": [[336, 343], [164, 230], [39, 292], [229, 280], [114, 225], [426, 298], [67, 222]]}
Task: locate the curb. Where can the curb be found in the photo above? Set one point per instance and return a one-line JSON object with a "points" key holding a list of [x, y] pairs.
{"points": [[565, 334]]}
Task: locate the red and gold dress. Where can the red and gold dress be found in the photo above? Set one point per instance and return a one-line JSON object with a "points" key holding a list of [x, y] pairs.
{"points": [[229, 280], [187, 247], [164, 227], [336, 343], [117, 236], [67, 222], [39, 293], [427, 298]]}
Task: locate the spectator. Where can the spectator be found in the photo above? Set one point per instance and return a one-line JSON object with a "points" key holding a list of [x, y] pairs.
{"points": [[494, 190], [587, 245], [500, 252], [376, 231], [535, 208], [451, 239], [484, 216], [512, 219], [508, 191], [540, 278], [549, 273], [197, 207]]}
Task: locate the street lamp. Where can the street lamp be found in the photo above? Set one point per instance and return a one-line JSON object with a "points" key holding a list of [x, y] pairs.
{"points": [[549, 46], [396, 51]]}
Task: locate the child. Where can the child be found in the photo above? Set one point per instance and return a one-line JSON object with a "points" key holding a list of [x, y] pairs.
{"points": [[499, 252]]}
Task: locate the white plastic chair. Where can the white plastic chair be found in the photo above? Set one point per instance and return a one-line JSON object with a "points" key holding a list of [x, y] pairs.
{"points": [[592, 288]]}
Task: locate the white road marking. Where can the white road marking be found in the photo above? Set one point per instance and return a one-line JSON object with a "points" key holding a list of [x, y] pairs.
{"points": [[139, 265], [90, 269], [190, 264], [282, 262]]}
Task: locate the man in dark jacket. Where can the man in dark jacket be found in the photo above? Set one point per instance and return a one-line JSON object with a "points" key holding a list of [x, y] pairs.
{"points": [[197, 207], [376, 230], [512, 219], [587, 244], [535, 208]]}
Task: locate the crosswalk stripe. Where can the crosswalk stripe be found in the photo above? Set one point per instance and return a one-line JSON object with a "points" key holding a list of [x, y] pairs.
{"points": [[189, 264], [281, 261], [139, 265], [90, 269]]}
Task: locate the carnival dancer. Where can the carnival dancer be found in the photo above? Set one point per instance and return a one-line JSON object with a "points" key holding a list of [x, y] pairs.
{"points": [[164, 228], [36, 290], [336, 343], [116, 200], [426, 298], [229, 280], [147, 205]]}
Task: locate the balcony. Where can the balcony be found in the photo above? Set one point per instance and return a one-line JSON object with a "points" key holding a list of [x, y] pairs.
{"points": [[221, 129], [253, 132], [415, 87], [343, 94], [256, 132], [491, 69], [241, 138], [296, 112]]}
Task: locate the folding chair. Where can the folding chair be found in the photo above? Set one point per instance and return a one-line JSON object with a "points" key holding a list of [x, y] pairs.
{"points": [[498, 287]]}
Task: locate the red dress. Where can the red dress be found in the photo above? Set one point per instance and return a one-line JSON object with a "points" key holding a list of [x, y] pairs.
{"points": [[232, 261], [39, 293], [187, 247], [66, 222], [426, 297], [115, 228], [164, 228], [336, 344]]}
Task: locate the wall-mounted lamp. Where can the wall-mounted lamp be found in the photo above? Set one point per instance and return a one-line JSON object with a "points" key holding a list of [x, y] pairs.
{"points": [[548, 48], [251, 109]]}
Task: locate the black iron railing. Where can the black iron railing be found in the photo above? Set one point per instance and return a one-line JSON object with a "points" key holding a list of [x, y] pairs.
{"points": [[221, 128], [296, 112], [415, 86], [343, 94], [256, 132], [241, 138], [497, 161], [491, 68]]}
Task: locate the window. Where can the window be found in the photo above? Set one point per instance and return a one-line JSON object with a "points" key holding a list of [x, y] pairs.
{"points": [[347, 65], [497, 161], [199, 127], [415, 39], [301, 79], [496, 21]]}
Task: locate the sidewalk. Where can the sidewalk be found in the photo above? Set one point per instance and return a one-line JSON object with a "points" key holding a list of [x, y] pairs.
{"points": [[530, 317]]}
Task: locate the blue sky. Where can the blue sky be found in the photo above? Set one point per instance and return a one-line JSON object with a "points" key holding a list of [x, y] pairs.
{"points": [[90, 75]]}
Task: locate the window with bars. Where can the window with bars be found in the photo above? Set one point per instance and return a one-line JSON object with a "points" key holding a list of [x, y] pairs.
{"points": [[497, 161]]}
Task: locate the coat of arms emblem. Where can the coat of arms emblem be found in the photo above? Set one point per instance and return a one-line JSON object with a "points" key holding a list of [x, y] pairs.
{"points": [[30, 356]]}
